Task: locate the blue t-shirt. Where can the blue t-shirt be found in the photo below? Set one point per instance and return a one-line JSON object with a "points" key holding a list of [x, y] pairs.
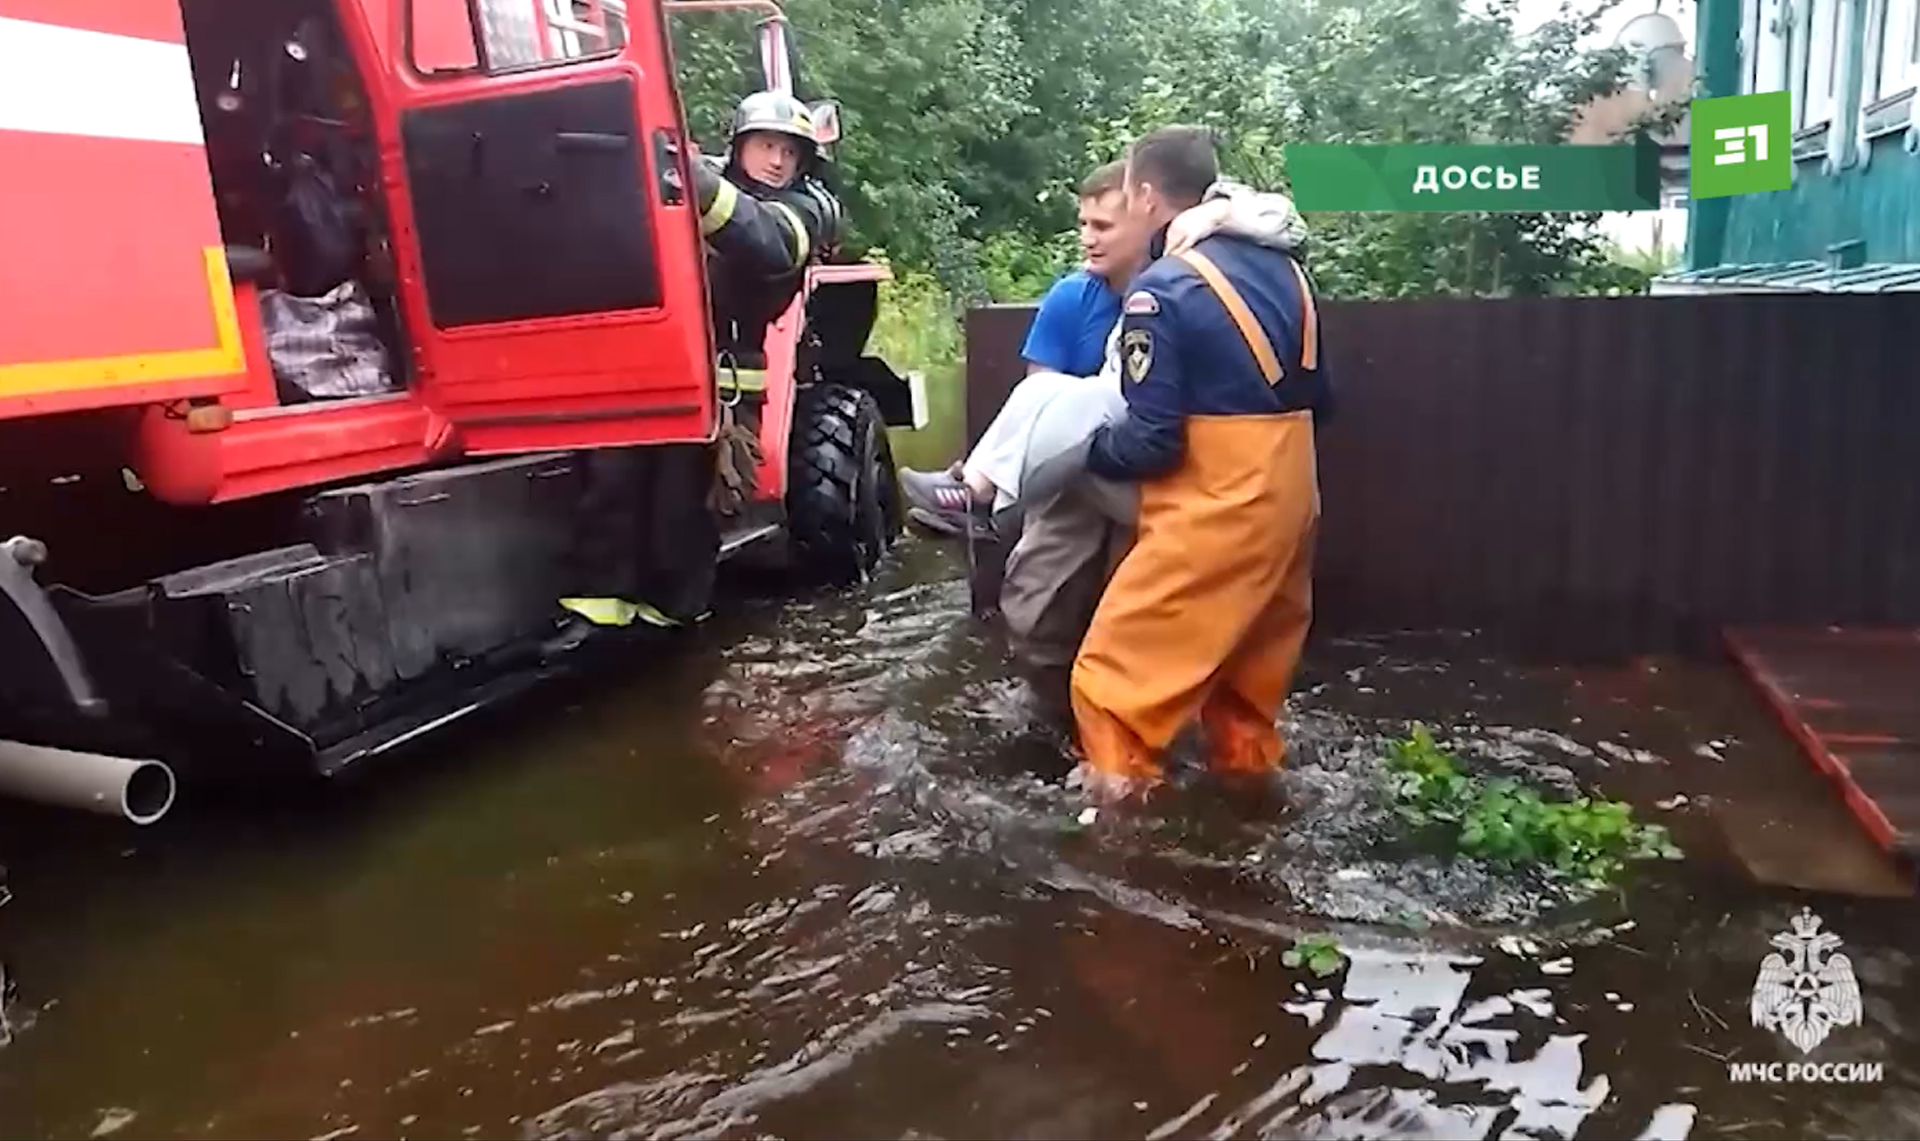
{"points": [[1069, 333]]}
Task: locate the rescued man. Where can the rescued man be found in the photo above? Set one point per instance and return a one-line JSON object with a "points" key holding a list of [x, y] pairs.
{"points": [[1208, 612], [648, 542], [989, 480], [1070, 328], [1075, 526]]}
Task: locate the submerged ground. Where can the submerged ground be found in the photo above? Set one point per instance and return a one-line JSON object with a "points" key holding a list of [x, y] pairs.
{"points": [[810, 876]]}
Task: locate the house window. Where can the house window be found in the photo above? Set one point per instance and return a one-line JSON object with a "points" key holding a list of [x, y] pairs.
{"points": [[1895, 68], [1765, 36], [1816, 65]]}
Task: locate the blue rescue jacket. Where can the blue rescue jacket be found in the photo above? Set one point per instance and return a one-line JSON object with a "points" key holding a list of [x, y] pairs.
{"points": [[1183, 353]]}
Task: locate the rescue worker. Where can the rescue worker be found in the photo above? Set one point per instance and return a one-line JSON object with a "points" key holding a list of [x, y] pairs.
{"points": [[649, 533], [1208, 613], [1070, 539]]}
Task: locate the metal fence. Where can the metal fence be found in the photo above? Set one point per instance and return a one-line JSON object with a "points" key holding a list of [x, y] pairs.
{"points": [[1619, 473]]}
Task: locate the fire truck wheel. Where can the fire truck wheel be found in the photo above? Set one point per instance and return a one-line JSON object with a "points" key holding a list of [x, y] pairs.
{"points": [[843, 499]]}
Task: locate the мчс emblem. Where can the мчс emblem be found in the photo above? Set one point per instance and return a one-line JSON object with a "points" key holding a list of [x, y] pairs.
{"points": [[1809, 990], [1136, 348]]}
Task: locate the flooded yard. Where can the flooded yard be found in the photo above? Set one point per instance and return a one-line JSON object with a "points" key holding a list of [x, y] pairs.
{"points": [[814, 875]]}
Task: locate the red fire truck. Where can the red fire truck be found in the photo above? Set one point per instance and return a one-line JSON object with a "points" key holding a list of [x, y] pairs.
{"points": [[260, 532]]}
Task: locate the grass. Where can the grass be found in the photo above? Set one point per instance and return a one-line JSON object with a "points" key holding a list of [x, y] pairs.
{"points": [[918, 326], [918, 330], [945, 436], [1511, 825]]}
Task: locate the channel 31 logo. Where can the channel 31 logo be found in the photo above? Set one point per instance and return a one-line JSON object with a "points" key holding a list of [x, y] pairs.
{"points": [[1740, 145]]}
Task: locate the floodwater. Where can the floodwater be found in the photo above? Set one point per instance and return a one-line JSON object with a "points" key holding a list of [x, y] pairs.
{"points": [[810, 876]]}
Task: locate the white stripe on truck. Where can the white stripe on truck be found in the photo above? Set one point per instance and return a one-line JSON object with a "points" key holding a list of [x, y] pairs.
{"points": [[64, 81]]}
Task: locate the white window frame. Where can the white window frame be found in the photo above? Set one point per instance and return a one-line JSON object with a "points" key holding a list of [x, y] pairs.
{"points": [[1816, 64], [1893, 50], [1767, 37], [1774, 54]]}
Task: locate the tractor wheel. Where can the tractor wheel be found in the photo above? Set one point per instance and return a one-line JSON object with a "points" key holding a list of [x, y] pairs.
{"points": [[843, 499]]}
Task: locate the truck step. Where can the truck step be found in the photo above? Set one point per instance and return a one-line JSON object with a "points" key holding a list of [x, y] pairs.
{"points": [[302, 635], [467, 559]]}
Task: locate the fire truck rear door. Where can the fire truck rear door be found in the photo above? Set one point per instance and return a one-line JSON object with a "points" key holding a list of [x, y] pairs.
{"points": [[546, 214]]}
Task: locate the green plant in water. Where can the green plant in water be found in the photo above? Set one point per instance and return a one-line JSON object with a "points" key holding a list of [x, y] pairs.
{"points": [[1317, 953], [1510, 824]]}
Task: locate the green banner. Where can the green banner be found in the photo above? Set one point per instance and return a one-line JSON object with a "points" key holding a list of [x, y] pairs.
{"points": [[1523, 179]]}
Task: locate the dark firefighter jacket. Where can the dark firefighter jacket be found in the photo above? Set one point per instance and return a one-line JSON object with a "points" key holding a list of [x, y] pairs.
{"points": [[760, 241]]}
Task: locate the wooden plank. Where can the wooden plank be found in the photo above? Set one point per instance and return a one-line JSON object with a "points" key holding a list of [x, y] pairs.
{"points": [[1851, 700]]}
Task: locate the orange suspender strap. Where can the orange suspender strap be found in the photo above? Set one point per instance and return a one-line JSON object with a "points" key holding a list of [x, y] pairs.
{"points": [[1250, 330], [1309, 320], [1249, 326]]}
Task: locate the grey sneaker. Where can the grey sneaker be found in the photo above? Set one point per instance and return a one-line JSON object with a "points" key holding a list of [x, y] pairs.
{"points": [[938, 492], [951, 523]]}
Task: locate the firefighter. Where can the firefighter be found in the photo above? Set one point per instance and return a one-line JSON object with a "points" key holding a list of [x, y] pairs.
{"points": [[766, 215], [1207, 614], [1071, 539], [649, 533]]}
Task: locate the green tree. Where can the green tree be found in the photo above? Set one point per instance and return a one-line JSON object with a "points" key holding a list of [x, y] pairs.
{"points": [[1394, 71], [967, 123]]}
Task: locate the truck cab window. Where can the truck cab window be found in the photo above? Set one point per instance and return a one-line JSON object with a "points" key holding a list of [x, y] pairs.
{"points": [[511, 34]]}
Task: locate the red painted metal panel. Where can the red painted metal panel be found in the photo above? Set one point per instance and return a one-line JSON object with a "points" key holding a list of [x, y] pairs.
{"points": [[442, 35], [617, 378], [143, 19], [776, 418], [105, 248], [383, 18], [318, 444], [282, 449]]}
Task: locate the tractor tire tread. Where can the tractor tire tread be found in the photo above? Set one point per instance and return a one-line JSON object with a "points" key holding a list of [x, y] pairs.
{"points": [[825, 478]]}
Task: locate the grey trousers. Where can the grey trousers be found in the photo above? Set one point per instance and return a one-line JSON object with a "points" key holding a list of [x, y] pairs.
{"points": [[1068, 548]]}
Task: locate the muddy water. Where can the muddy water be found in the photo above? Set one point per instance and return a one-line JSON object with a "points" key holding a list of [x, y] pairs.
{"points": [[812, 878]]}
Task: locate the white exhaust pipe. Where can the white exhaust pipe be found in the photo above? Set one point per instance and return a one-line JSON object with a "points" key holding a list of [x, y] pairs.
{"points": [[138, 790]]}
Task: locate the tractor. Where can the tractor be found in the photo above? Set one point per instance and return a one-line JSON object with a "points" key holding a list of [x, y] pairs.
{"points": [[268, 520]]}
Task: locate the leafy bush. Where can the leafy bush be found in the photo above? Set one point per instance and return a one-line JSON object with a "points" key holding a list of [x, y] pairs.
{"points": [[1317, 953], [1510, 824], [1019, 267], [918, 327]]}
